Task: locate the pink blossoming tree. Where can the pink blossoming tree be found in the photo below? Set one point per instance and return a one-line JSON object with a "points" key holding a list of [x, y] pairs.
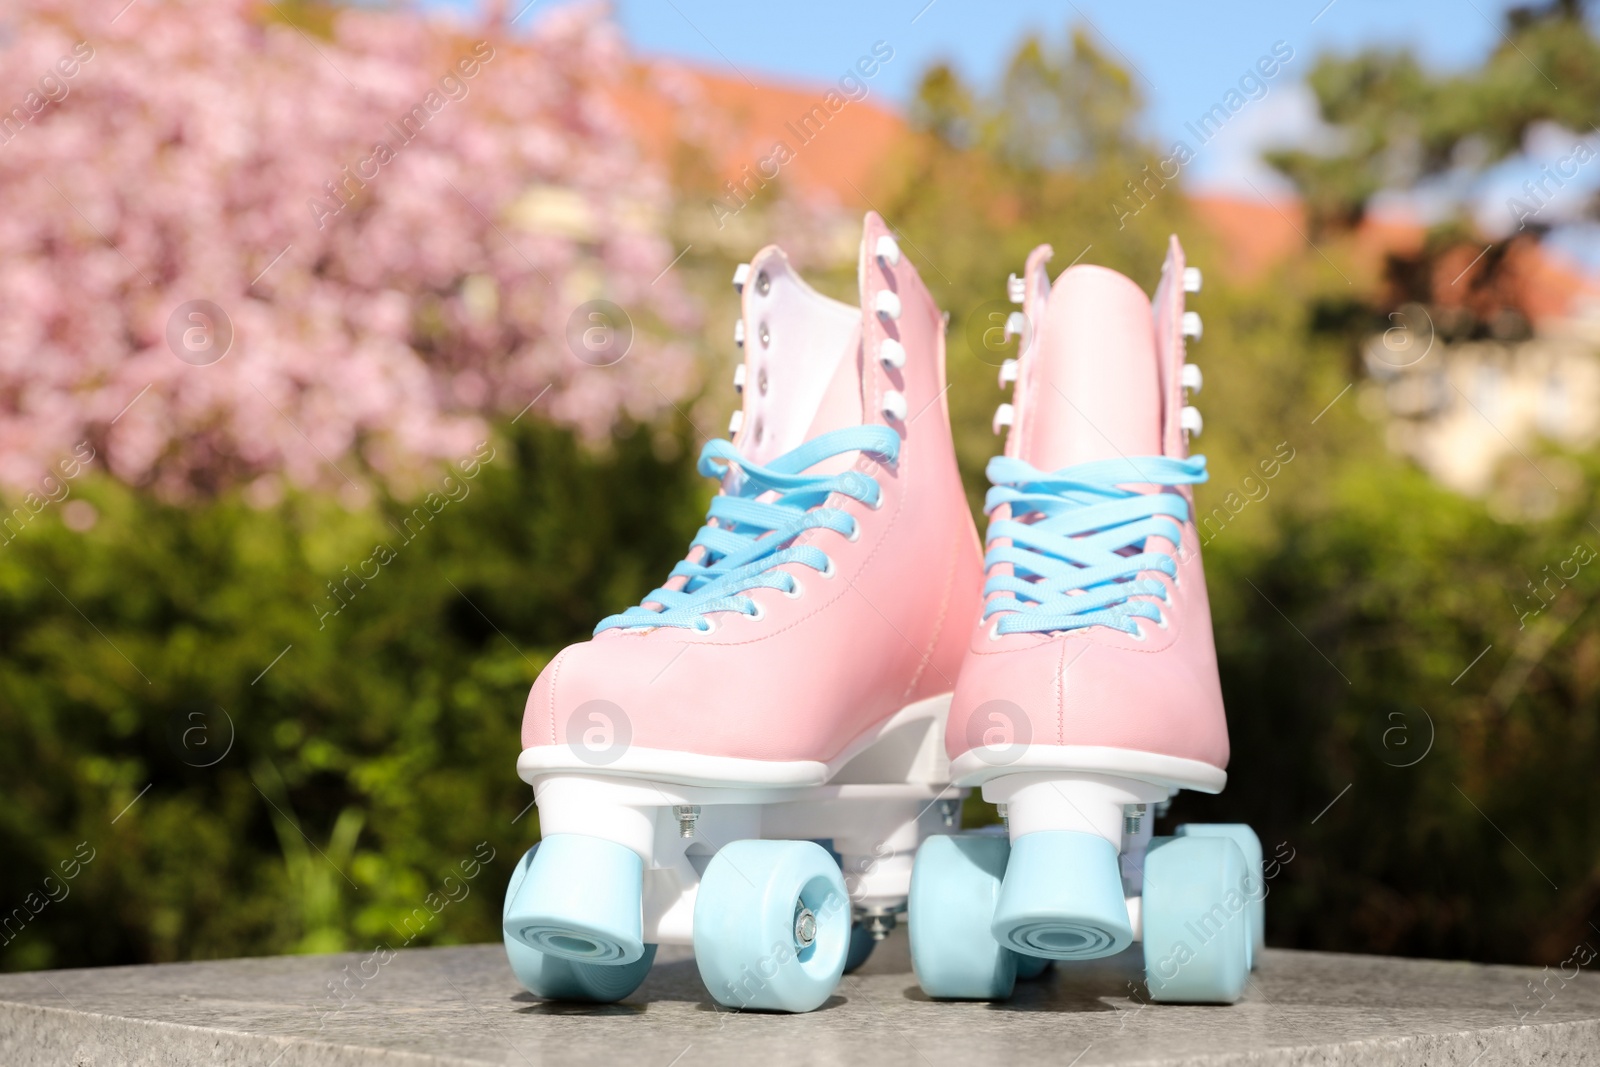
{"points": [[396, 220]]}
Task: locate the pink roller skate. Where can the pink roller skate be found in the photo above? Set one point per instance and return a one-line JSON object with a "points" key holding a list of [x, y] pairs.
{"points": [[1089, 693], [710, 760]]}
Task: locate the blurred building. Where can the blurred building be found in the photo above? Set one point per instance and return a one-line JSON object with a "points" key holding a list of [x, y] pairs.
{"points": [[731, 145], [1473, 413], [1487, 384], [1490, 355]]}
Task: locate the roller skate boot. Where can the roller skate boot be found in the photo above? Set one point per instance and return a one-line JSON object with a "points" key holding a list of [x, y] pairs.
{"points": [[747, 761], [1089, 693]]}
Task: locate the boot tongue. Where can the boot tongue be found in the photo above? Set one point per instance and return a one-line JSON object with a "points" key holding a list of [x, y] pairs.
{"points": [[1095, 390], [802, 375]]}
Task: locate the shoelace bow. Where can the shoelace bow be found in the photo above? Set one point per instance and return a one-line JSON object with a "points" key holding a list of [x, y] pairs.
{"points": [[1071, 532], [746, 539]]}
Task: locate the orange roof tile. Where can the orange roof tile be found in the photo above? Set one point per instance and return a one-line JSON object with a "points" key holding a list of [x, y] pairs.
{"points": [[834, 152]]}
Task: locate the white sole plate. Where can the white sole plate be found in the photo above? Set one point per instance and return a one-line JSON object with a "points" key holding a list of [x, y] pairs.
{"points": [[981, 765]]}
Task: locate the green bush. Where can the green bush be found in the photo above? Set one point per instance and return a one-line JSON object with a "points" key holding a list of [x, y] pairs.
{"points": [[371, 761]]}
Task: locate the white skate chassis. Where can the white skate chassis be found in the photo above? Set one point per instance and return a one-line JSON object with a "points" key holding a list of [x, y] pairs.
{"points": [[875, 805], [643, 839], [1111, 793]]}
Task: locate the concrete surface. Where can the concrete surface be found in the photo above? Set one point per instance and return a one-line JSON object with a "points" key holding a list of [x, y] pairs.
{"points": [[461, 1006]]}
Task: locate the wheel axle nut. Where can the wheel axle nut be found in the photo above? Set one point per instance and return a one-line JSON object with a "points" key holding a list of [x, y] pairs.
{"points": [[805, 927]]}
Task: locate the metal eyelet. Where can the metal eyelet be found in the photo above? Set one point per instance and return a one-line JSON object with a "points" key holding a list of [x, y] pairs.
{"points": [[830, 570], [994, 631], [855, 533], [1138, 633], [709, 625], [761, 380], [763, 283], [765, 335], [758, 614], [797, 592], [1161, 620]]}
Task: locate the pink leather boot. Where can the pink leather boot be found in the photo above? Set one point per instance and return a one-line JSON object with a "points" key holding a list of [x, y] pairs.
{"points": [[787, 684], [1089, 693]]}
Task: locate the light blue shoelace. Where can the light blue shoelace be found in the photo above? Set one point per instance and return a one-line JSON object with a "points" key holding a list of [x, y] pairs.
{"points": [[1078, 541], [745, 539]]}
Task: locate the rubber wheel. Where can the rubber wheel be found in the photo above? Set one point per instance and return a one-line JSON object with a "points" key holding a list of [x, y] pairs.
{"points": [[1250, 845], [1031, 967], [1196, 920], [861, 942], [749, 916], [554, 978], [955, 885], [861, 946]]}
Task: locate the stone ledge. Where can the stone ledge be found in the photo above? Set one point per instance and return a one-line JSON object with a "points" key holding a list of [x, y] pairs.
{"points": [[461, 1006]]}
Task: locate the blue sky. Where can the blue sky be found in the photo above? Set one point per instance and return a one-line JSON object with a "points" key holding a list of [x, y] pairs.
{"points": [[1186, 56]]}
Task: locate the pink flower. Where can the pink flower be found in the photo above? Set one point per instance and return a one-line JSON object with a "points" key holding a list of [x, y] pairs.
{"points": [[353, 206]]}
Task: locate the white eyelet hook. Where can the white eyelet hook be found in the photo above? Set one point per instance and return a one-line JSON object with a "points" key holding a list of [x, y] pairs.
{"points": [[894, 405], [1016, 325], [892, 354], [1004, 416]]}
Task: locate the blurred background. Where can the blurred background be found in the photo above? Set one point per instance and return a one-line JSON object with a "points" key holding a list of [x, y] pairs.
{"points": [[354, 359]]}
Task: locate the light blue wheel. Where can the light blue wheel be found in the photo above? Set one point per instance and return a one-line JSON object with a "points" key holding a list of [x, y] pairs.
{"points": [[861, 946], [580, 899], [1031, 967], [1255, 880], [954, 887], [1062, 898], [1196, 920], [771, 925], [861, 942], [554, 978]]}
